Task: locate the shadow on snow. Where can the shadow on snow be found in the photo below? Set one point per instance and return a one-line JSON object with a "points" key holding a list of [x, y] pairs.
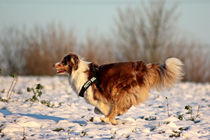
{"points": [[6, 112]]}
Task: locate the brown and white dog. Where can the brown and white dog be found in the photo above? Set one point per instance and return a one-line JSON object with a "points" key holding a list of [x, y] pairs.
{"points": [[120, 85]]}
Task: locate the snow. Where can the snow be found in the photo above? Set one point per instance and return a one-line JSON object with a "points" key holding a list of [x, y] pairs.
{"points": [[70, 117]]}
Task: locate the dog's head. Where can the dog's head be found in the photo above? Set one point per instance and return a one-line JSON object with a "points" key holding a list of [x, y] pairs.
{"points": [[68, 64]]}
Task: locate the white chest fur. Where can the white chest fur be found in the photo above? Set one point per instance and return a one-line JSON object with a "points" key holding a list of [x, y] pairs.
{"points": [[79, 77], [77, 80]]}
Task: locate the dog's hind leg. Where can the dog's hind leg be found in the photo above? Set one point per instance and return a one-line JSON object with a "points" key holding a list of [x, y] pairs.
{"points": [[111, 117]]}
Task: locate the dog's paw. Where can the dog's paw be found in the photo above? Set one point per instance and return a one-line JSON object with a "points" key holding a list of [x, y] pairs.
{"points": [[107, 120], [114, 122]]}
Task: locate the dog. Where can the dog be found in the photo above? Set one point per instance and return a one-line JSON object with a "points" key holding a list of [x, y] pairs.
{"points": [[117, 86]]}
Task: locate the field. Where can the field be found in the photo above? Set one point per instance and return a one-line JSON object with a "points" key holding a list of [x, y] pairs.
{"points": [[54, 111]]}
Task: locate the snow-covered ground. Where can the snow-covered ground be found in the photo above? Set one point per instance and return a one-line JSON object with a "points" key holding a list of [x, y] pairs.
{"points": [[70, 117]]}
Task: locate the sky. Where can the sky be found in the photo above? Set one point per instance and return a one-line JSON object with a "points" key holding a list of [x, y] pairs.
{"points": [[98, 15]]}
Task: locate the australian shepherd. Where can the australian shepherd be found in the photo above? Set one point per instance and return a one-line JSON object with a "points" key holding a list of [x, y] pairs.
{"points": [[119, 86]]}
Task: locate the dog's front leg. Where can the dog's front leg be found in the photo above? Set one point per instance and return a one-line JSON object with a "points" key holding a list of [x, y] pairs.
{"points": [[111, 116]]}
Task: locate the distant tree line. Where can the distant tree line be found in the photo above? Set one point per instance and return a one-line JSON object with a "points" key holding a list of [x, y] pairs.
{"points": [[147, 32]]}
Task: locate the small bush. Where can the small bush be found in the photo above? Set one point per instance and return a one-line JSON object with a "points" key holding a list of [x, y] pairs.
{"points": [[37, 93]]}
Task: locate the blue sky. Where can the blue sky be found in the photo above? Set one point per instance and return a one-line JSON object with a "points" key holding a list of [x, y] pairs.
{"points": [[98, 15]]}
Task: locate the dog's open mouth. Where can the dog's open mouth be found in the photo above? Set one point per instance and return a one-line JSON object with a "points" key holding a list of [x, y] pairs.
{"points": [[61, 71]]}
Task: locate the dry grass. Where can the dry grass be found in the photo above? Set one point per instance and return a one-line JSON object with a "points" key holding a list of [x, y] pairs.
{"points": [[139, 35], [45, 47], [197, 64], [97, 49], [35, 52], [195, 57], [149, 33]]}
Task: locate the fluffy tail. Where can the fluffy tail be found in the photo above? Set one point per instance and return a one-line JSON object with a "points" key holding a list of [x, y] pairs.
{"points": [[164, 75]]}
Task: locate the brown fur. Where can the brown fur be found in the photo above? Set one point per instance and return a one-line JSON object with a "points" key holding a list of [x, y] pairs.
{"points": [[122, 85]]}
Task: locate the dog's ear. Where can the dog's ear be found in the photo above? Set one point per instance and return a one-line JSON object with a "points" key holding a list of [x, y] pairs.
{"points": [[74, 61], [67, 60]]}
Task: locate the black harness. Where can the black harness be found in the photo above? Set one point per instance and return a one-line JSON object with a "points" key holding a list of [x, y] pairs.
{"points": [[86, 86], [94, 79]]}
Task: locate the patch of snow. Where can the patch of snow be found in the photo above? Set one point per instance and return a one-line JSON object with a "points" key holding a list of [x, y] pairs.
{"points": [[70, 117]]}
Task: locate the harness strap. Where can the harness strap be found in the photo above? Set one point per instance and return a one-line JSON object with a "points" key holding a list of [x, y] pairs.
{"points": [[86, 86]]}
